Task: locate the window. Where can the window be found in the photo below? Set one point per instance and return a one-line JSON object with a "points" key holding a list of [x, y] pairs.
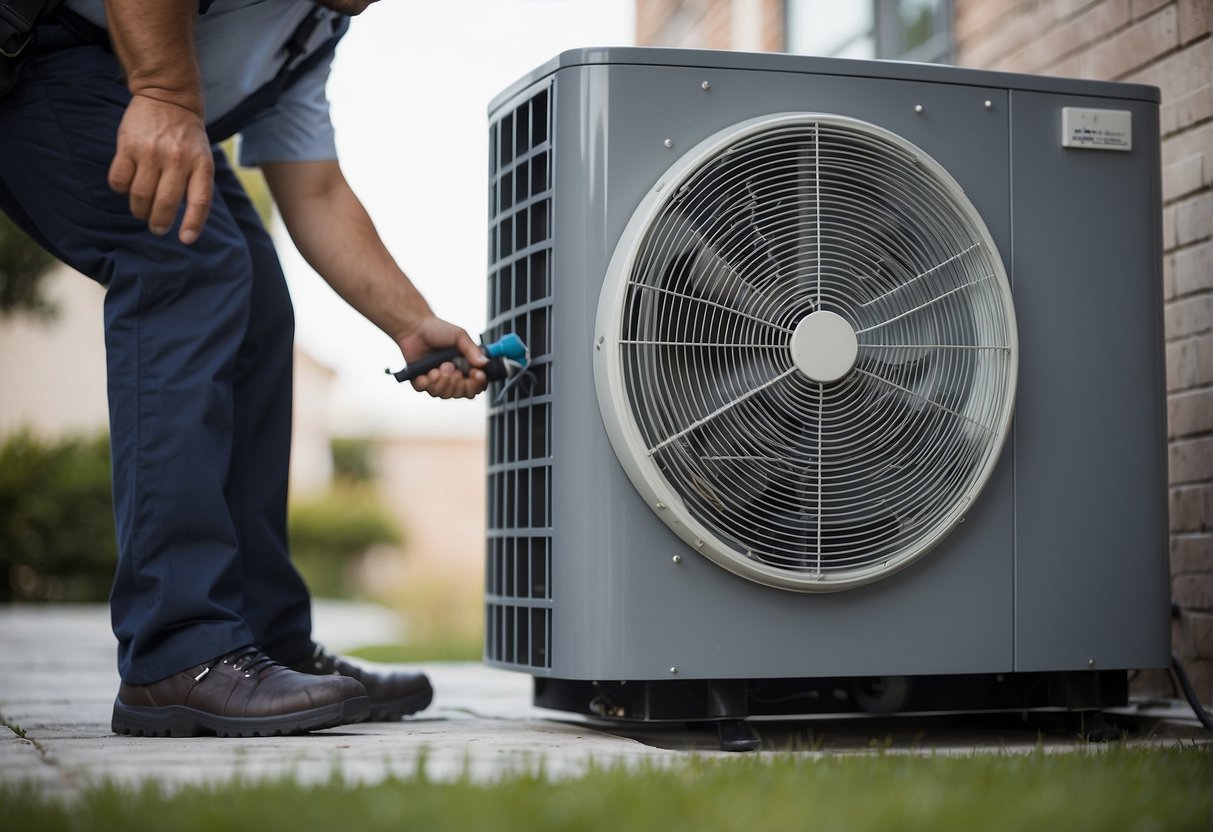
{"points": [[912, 30]]}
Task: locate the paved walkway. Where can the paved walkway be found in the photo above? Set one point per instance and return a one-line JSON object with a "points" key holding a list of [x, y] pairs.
{"points": [[57, 684]]}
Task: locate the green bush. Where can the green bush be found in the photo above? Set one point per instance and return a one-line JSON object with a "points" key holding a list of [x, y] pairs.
{"points": [[57, 539], [56, 519], [352, 461], [328, 534], [22, 265]]}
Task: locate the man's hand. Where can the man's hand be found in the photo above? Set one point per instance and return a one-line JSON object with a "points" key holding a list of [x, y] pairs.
{"points": [[163, 156], [445, 382]]}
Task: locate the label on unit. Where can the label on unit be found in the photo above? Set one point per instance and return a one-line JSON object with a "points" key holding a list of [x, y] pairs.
{"points": [[1096, 129]]}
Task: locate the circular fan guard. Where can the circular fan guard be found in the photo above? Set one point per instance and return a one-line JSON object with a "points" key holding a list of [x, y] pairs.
{"points": [[806, 351]]}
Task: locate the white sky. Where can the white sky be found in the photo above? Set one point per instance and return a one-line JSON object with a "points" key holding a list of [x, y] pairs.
{"points": [[410, 90]]}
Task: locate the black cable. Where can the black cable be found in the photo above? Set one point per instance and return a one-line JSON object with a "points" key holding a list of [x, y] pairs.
{"points": [[1177, 671]]}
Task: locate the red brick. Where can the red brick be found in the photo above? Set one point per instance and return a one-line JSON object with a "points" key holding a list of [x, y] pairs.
{"points": [[1192, 509], [1187, 110], [1184, 177], [1011, 33], [1188, 363], [1199, 634], [1168, 228], [1191, 554], [1193, 269], [1187, 143], [1189, 413], [1141, 8], [1133, 47], [1199, 671], [1178, 74], [1193, 592], [1058, 41], [1191, 315], [1194, 219], [1191, 461], [1193, 19], [977, 17]]}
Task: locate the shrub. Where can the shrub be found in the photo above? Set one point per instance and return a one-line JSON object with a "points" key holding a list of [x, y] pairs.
{"points": [[56, 519], [57, 540], [22, 265], [327, 535]]}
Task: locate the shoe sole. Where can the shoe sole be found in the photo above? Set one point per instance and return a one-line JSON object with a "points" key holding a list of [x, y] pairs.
{"points": [[393, 710], [180, 721]]}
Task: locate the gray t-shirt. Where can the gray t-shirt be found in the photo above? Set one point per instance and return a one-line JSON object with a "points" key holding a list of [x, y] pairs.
{"points": [[240, 47]]}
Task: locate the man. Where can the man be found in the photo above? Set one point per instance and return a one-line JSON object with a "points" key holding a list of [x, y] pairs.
{"points": [[106, 160]]}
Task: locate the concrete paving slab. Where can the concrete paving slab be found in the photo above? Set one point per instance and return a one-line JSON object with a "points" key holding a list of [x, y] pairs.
{"points": [[57, 683]]}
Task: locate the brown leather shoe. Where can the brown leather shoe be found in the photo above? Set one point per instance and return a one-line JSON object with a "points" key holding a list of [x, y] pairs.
{"points": [[393, 693], [242, 694]]}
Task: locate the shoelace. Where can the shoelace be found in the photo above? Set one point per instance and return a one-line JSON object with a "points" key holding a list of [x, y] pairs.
{"points": [[323, 660], [249, 660]]}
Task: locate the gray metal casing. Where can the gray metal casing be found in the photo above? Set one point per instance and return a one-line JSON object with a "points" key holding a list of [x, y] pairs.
{"points": [[1062, 562]]}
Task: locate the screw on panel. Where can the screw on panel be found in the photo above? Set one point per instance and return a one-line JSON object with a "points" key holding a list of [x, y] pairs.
{"points": [[660, 506], [668, 142], [918, 108], [673, 671], [1090, 662], [598, 344], [677, 558], [989, 104], [705, 86], [698, 544]]}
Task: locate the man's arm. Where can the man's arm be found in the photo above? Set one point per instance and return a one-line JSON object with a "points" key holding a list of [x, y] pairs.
{"points": [[332, 230], [163, 153]]}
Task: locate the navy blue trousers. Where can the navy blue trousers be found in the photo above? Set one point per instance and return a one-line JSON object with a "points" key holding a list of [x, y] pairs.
{"points": [[198, 346]]}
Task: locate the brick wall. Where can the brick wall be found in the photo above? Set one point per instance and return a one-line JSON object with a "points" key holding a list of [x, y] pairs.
{"points": [[751, 25], [1166, 44]]}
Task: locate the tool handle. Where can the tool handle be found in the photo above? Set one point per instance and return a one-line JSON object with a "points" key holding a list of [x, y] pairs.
{"points": [[495, 370], [435, 359]]}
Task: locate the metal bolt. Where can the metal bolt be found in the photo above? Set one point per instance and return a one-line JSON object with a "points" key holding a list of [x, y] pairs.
{"points": [[989, 104], [705, 86], [673, 671], [1090, 662], [668, 142], [677, 558], [918, 108]]}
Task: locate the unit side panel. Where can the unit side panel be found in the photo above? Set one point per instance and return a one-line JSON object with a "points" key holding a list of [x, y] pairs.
{"points": [[1091, 512]]}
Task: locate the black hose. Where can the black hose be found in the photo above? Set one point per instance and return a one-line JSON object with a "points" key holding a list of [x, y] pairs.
{"points": [[1177, 670]]}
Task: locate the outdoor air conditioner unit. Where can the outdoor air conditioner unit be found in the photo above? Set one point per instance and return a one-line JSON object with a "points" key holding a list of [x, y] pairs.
{"points": [[848, 387]]}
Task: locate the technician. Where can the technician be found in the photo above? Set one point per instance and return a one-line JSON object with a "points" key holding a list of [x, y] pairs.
{"points": [[108, 159]]}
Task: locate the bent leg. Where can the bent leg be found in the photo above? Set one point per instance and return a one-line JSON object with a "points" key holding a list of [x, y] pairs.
{"points": [[277, 606], [175, 318]]}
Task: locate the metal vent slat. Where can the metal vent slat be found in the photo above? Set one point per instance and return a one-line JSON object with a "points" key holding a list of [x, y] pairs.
{"points": [[518, 568]]}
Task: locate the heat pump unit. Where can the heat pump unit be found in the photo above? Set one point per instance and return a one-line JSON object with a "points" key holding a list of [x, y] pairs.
{"points": [[848, 387]]}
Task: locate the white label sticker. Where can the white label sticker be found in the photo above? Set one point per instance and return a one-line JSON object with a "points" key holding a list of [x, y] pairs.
{"points": [[1096, 129]]}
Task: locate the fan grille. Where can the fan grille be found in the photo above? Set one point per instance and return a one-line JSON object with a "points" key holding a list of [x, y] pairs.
{"points": [[812, 351]]}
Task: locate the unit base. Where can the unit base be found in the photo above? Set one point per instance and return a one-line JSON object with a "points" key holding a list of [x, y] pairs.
{"points": [[689, 700]]}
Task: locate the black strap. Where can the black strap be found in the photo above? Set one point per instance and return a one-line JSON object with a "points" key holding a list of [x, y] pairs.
{"points": [[298, 63], [17, 19]]}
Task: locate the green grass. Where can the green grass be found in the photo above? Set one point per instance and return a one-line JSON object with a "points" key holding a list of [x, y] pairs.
{"points": [[1116, 789], [434, 650]]}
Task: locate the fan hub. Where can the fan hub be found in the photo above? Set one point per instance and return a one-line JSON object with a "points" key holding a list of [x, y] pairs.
{"points": [[824, 346]]}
